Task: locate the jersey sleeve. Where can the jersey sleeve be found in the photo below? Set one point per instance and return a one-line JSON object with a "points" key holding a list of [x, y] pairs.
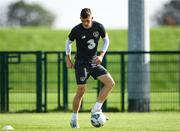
{"points": [[72, 35], [102, 31]]}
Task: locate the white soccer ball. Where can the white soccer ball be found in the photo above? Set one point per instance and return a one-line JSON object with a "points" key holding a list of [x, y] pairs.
{"points": [[7, 128], [98, 119]]}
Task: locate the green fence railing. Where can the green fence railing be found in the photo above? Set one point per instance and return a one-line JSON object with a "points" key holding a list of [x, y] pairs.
{"points": [[40, 82]]}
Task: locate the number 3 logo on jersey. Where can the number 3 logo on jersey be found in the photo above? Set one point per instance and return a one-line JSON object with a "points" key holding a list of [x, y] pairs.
{"points": [[91, 44]]}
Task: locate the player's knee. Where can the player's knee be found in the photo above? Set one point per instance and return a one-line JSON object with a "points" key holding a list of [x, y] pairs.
{"points": [[81, 90], [110, 84]]}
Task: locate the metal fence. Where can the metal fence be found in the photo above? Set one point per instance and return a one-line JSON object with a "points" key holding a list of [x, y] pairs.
{"points": [[40, 81]]}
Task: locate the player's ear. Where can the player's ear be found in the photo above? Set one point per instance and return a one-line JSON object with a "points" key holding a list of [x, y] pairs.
{"points": [[92, 18]]}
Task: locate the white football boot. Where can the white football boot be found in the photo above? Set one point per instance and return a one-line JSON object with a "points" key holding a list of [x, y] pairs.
{"points": [[74, 124]]}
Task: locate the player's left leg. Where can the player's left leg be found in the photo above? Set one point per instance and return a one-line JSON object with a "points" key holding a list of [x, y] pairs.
{"points": [[109, 83]]}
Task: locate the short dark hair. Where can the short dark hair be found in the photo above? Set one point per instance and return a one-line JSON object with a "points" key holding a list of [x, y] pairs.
{"points": [[86, 12]]}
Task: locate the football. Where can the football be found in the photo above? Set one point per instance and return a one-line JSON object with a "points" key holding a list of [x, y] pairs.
{"points": [[98, 119]]}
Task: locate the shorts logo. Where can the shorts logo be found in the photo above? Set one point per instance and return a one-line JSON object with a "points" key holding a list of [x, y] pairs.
{"points": [[96, 34], [82, 78], [83, 37]]}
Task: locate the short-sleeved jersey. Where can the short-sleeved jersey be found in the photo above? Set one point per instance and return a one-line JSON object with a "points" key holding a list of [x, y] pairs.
{"points": [[87, 40]]}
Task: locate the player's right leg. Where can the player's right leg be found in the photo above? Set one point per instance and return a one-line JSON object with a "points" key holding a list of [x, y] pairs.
{"points": [[76, 105], [81, 78]]}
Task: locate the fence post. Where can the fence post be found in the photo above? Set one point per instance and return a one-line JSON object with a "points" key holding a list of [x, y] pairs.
{"points": [[45, 81], [122, 83], [59, 80], [39, 81], [4, 101], [65, 83]]}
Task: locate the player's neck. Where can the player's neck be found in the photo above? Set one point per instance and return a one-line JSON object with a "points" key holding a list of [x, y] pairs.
{"points": [[89, 26]]}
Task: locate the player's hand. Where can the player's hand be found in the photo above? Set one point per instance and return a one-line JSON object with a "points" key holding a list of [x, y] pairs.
{"points": [[69, 63], [99, 59]]}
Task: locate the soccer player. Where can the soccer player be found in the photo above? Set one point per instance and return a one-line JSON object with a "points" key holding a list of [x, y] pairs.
{"points": [[87, 62]]}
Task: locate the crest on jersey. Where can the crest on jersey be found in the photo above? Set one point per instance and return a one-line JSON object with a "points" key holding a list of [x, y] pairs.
{"points": [[96, 34]]}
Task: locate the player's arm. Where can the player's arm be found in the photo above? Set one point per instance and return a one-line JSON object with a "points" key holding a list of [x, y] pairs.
{"points": [[68, 54], [103, 50]]}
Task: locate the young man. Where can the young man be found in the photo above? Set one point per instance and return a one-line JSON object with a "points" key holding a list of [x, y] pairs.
{"points": [[87, 62]]}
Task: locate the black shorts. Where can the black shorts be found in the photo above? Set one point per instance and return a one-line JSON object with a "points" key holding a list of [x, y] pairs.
{"points": [[84, 69]]}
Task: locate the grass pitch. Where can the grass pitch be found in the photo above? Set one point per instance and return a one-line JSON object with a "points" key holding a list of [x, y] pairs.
{"points": [[119, 122], [45, 39]]}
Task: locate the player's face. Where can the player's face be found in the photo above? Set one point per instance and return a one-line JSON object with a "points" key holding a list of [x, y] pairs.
{"points": [[87, 22]]}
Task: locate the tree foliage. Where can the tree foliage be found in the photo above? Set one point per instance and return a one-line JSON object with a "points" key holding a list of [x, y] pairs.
{"points": [[23, 14], [169, 14]]}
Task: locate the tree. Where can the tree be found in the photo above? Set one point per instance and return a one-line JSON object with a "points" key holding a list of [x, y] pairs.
{"points": [[23, 14], [169, 14]]}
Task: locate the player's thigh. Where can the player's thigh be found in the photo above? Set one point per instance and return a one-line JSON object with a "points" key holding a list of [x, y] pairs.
{"points": [[98, 71], [81, 75], [107, 80]]}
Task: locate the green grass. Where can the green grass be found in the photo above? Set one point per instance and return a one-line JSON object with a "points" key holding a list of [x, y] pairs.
{"points": [[45, 39], [118, 122]]}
